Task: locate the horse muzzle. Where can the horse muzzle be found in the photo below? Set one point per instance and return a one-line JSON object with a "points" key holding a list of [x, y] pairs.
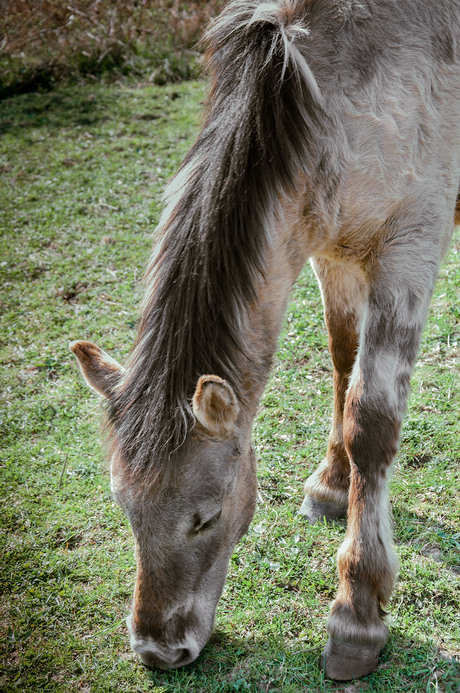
{"points": [[160, 655]]}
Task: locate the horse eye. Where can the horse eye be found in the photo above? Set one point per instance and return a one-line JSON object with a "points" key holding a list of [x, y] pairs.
{"points": [[201, 526]]}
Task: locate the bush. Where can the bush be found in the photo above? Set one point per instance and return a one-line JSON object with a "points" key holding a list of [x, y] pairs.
{"points": [[44, 41]]}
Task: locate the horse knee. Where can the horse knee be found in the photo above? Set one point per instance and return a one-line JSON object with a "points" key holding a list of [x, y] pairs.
{"points": [[370, 433]]}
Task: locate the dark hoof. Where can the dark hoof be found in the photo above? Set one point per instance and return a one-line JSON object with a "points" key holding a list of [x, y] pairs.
{"points": [[316, 511], [343, 662]]}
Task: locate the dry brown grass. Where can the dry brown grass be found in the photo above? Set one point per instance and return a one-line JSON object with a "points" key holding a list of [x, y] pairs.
{"points": [[44, 40]]}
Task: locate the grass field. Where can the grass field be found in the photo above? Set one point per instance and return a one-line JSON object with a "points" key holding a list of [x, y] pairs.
{"points": [[82, 170]]}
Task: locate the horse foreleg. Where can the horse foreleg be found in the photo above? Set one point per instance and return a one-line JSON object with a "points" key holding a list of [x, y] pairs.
{"points": [[326, 490], [374, 406]]}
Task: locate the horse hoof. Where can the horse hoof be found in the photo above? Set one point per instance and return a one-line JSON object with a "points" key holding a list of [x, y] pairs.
{"points": [[343, 662], [316, 511]]}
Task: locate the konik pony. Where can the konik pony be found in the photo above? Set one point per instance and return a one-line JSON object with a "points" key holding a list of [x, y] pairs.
{"points": [[331, 132]]}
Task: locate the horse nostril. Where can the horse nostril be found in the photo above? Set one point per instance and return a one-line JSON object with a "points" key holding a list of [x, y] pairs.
{"points": [[166, 660], [185, 655], [179, 657]]}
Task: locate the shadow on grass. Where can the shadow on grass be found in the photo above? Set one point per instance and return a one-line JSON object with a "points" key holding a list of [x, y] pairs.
{"points": [[239, 664], [236, 664], [66, 107]]}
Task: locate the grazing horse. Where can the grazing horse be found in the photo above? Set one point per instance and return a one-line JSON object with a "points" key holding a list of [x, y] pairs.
{"points": [[331, 132]]}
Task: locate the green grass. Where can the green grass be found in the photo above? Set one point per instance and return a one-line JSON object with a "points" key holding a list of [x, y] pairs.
{"points": [[82, 170]]}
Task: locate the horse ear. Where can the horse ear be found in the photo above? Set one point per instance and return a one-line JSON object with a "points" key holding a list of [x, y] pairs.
{"points": [[100, 370], [215, 406]]}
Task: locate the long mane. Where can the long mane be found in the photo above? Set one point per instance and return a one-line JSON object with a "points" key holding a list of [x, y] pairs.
{"points": [[261, 115]]}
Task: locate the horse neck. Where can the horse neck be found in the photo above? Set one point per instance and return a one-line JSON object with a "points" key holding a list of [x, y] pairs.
{"points": [[285, 258]]}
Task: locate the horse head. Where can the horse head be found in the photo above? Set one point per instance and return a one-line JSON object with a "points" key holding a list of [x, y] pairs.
{"points": [[186, 516]]}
